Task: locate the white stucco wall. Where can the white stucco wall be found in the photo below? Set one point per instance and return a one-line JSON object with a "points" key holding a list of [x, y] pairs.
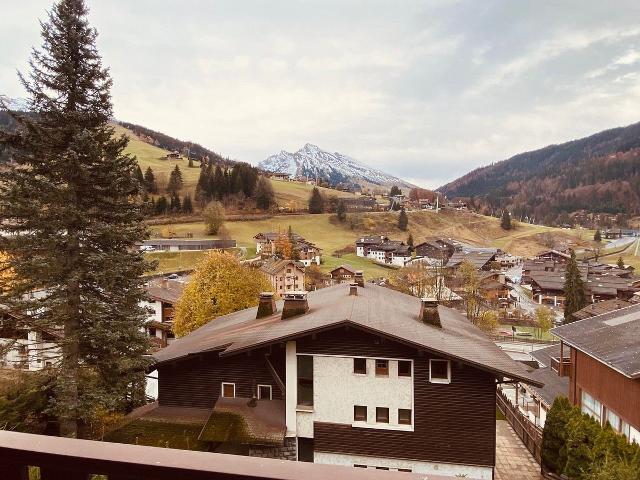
{"points": [[291, 387], [360, 251], [470, 471], [154, 309], [336, 389]]}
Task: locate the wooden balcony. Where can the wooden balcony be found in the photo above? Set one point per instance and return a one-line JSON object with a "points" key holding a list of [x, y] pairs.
{"points": [[71, 459]]}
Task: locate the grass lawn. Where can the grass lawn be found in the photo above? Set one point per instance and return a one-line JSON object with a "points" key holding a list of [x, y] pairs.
{"points": [[331, 235], [370, 268], [534, 331], [175, 261], [159, 434]]}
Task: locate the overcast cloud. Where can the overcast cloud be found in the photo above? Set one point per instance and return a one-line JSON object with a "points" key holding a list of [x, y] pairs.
{"points": [[423, 90]]}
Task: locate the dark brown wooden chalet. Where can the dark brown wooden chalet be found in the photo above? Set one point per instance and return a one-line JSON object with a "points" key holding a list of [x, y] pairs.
{"points": [[439, 249], [359, 376], [162, 295], [603, 367], [343, 274]]}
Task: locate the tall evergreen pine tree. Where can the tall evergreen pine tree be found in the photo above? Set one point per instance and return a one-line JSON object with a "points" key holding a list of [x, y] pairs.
{"points": [[70, 203], [403, 220], [316, 202], [573, 290]]}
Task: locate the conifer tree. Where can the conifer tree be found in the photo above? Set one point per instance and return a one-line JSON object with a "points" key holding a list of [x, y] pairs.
{"points": [[202, 187], [264, 194], [162, 206], [187, 206], [573, 289], [175, 181], [620, 263], [150, 181], [341, 211], [71, 206], [176, 205], [505, 220], [597, 237], [403, 220], [139, 177], [316, 202], [410, 240]]}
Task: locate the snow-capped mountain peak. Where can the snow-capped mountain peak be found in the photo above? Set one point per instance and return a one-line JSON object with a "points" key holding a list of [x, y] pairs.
{"points": [[313, 162]]}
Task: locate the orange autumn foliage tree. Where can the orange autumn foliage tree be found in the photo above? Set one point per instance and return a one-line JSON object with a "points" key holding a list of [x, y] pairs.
{"points": [[220, 285]]}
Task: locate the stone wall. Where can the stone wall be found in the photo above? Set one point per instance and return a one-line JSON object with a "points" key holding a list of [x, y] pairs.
{"points": [[284, 452]]}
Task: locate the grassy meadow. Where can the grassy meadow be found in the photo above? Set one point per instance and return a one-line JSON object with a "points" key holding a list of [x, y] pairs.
{"points": [[331, 235]]}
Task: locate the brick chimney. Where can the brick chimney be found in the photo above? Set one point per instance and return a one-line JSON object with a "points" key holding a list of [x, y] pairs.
{"points": [[295, 303], [353, 289], [429, 312], [266, 305], [359, 278]]}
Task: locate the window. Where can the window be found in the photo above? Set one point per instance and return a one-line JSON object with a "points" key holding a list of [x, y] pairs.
{"points": [[439, 371], [591, 406], [382, 367], [152, 332], [405, 470], [360, 366], [382, 468], [360, 466], [305, 380], [359, 413], [228, 390], [404, 368], [382, 415], [305, 450], [265, 392], [404, 416]]}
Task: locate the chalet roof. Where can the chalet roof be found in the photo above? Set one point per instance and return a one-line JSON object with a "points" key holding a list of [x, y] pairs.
{"points": [[388, 246], [611, 338], [175, 242], [554, 385], [165, 290], [598, 284], [372, 240], [273, 236], [433, 244], [375, 309], [275, 265], [544, 355], [600, 308], [477, 259], [348, 268], [553, 252]]}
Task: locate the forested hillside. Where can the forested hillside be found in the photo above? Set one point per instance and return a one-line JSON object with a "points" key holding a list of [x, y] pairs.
{"points": [[166, 142], [599, 174]]}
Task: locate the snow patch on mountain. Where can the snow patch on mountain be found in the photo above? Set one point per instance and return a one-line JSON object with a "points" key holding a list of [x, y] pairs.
{"points": [[14, 104], [313, 162]]}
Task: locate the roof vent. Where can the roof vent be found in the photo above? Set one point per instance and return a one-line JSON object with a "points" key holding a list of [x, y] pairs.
{"points": [[295, 303], [359, 278], [429, 312], [353, 289], [266, 305]]}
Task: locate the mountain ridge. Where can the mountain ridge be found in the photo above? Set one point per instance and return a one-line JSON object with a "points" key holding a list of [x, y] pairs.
{"points": [[333, 167], [599, 173]]}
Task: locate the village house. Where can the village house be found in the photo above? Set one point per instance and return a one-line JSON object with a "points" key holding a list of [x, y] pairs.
{"points": [[161, 297], [479, 259], [364, 244], [308, 253], [346, 375], [392, 252], [494, 289], [360, 204], [284, 275], [343, 274], [437, 249], [600, 357], [186, 244], [601, 282]]}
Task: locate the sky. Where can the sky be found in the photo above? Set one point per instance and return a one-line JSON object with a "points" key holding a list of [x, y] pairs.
{"points": [[426, 91]]}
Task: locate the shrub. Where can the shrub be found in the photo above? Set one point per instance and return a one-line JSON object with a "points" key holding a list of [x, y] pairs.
{"points": [[554, 435]]}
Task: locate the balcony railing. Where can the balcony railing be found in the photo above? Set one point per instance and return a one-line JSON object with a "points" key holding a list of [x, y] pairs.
{"points": [[71, 459]]}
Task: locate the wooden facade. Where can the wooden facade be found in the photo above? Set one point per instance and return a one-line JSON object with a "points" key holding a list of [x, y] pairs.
{"points": [[615, 391], [197, 381], [453, 423]]}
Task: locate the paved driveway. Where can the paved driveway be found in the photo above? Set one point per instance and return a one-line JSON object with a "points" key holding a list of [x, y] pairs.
{"points": [[513, 460]]}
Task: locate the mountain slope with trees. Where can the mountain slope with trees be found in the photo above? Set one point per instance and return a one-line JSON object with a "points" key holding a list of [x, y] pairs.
{"points": [[599, 173]]}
